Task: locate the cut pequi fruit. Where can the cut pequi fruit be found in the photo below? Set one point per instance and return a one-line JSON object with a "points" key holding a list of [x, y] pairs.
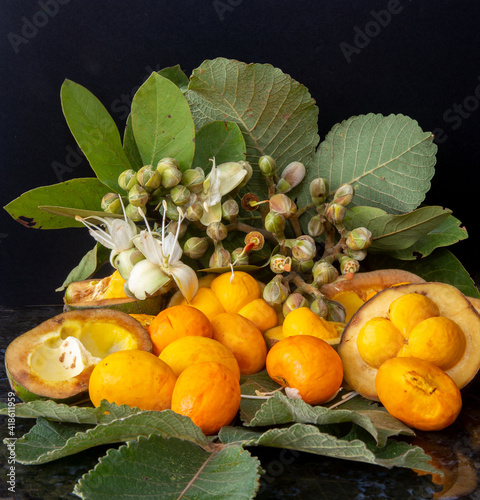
{"points": [[452, 304], [55, 359], [108, 293]]}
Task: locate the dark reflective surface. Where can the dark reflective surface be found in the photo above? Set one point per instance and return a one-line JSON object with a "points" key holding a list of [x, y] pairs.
{"points": [[288, 474]]}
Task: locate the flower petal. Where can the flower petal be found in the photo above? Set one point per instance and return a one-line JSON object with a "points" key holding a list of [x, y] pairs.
{"points": [[214, 214], [171, 248], [186, 279], [150, 246], [146, 278]]}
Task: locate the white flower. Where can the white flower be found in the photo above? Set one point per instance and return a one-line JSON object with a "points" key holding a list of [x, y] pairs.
{"points": [[220, 181], [163, 254]]}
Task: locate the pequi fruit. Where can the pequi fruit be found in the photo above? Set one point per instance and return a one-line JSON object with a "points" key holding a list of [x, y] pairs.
{"points": [[447, 333], [55, 359], [108, 293]]}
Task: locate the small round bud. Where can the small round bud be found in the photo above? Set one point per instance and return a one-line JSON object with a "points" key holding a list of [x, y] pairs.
{"points": [[193, 179], [267, 166], [254, 240], [335, 213], [315, 226], [282, 204], [171, 176], [194, 212], [304, 267], [355, 254], [111, 203], [292, 175], [319, 307], [133, 213], [137, 196], [230, 210], [344, 195], [217, 231], [239, 257], [180, 195], [359, 238], [125, 260], [195, 248], [250, 202], [127, 179], [167, 162], [324, 272], [171, 213], [280, 263], [173, 226], [149, 178], [303, 248], [274, 222], [348, 265], [275, 293], [319, 190], [220, 258], [336, 311], [294, 301]]}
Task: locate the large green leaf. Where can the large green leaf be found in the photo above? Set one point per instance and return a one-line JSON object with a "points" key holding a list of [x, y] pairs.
{"points": [[170, 468], [130, 146], [441, 266], [176, 75], [162, 122], [84, 194], [276, 114], [388, 159], [220, 140], [396, 232], [96, 133]]}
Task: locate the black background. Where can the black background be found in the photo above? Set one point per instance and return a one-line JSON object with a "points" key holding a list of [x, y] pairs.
{"points": [[421, 59]]}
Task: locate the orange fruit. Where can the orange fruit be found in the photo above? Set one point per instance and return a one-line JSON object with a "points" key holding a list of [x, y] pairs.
{"points": [[191, 350], [134, 378], [309, 365], [260, 313], [235, 292], [418, 393], [303, 321], [207, 302], [176, 322], [243, 338], [208, 393]]}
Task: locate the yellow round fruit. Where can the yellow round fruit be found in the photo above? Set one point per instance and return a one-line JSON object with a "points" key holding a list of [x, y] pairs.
{"points": [[207, 302], [234, 292], [134, 378], [208, 393], [303, 321], [260, 313]]}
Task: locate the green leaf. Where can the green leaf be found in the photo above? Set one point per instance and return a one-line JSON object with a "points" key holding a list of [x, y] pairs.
{"points": [[220, 140], [73, 212], [162, 122], [276, 114], [84, 194], [95, 132], [176, 75], [447, 233], [91, 262], [396, 232], [388, 159], [441, 266], [48, 440], [130, 146], [170, 468]]}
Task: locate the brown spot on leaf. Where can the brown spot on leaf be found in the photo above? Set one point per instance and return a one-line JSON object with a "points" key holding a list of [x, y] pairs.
{"points": [[26, 221]]}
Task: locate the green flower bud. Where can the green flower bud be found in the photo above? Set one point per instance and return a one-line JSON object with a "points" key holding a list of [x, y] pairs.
{"points": [[127, 179], [124, 261], [303, 248], [344, 195], [319, 307], [292, 175], [132, 212], [137, 196], [267, 166], [336, 311], [194, 212], [239, 258], [294, 301], [230, 210], [324, 272], [280, 263], [111, 203], [335, 213], [149, 178], [220, 258], [274, 222], [275, 293], [359, 238], [180, 195], [315, 226], [172, 212], [254, 240], [195, 248], [171, 176], [283, 205], [348, 265], [356, 254], [217, 231], [167, 162], [319, 190], [304, 267], [193, 179], [173, 226]]}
